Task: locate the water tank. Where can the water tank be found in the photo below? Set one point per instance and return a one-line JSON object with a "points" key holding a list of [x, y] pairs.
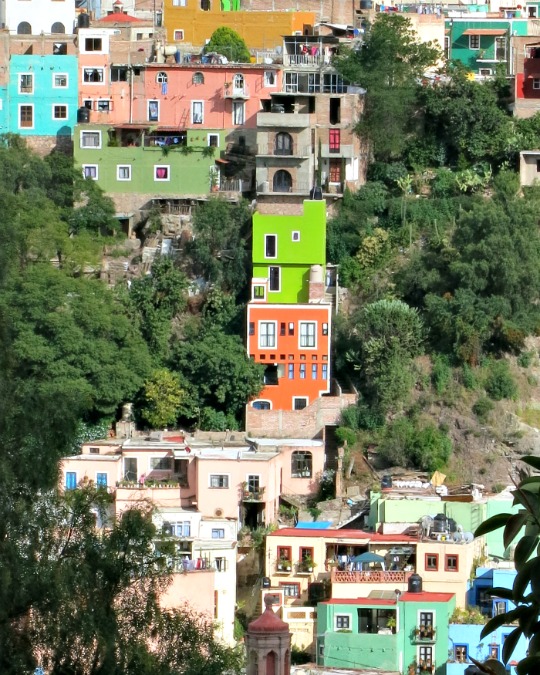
{"points": [[415, 584], [266, 582], [278, 108], [316, 274], [386, 482], [452, 525], [316, 193], [440, 523], [83, 20], [83, 115]]}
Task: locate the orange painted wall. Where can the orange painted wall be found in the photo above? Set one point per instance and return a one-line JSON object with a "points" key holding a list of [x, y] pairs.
{"points": [[287, 346], [260, 30]]}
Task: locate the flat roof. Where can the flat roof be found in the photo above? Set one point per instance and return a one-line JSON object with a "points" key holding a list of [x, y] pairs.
{"points": [[343, 534], [424, 596]]}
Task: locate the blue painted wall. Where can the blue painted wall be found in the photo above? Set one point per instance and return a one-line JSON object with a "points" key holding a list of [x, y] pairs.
{"points": [[480, 649], [44, 95]]}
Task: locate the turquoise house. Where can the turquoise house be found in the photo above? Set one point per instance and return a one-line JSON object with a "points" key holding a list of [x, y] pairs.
{"points": [[482, 44], [42, 95], [405, 632]]}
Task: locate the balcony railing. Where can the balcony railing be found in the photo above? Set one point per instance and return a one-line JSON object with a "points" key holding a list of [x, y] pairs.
{"points": [[232, 185], [424, 634], [368, 577], [236, 92], [255, 495], [293, 152], [284, 567]]}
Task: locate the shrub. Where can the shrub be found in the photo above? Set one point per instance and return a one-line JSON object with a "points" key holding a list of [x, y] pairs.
{"points": [[499, 382], [468, 377], [406, 444], [525, 359], [482, 408], [345, 435], [440, 374]]}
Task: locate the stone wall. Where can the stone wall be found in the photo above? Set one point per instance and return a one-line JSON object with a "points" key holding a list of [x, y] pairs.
{"points": [[44, 145]]}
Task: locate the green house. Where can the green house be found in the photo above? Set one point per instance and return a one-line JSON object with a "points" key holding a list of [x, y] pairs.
{"points": [[389, 633], [291, 244], [482, 44]]}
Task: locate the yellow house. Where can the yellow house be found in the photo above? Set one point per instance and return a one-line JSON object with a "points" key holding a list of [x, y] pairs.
{"points": [[192, 22]]}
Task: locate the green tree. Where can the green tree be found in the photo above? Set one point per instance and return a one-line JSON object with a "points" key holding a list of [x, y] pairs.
{"points": [[161, 399], [388, 66], [227, 42], [406, 443]]}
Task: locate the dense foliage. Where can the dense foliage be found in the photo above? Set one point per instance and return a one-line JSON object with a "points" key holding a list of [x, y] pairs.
{"points": [[227, 42]]}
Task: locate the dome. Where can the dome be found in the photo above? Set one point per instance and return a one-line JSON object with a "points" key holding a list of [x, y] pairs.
{"points": [[268, 622]]}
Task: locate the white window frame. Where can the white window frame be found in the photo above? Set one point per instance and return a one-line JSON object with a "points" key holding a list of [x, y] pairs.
{"points": [[254, 475], [162, 166], [63, 105], [192, 112], [123, 166], [474, 38], [265, 81], [19, 77], [295, 236], [307, 335], [208, 136], [259, 334], [426, 646], [88, 100], [103, 81], [271, 257], [300, 398], [26, 105], [257, 297], [218, 487], [536, 83], [217, 529], [90, 147], [426, 611], [90, 166], [148, 102], [162, 77], [102, 50], [178, 39], [104, 100], [238, 105], [342, 616], [62, 86]]}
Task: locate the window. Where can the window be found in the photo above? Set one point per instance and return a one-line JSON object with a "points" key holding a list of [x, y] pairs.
{"points": [[284, 553], [60, 81], [274, 278], [299, 402], [290, 371], [291, 328], [447, 47], [219, 481], [325, 329], [334, 173], [251, 328], [119, 74], [308, 331], [180, 469], [474, 42], [26, 83], [238, 82], [71, 480], [284, 144], [220, 564], [130, 468], [178, 34], [314, 371], [290, 590], [26, 116], [270, 246], [205, 5], [90, 139], [302, 371], [213, 140], [432, 562], [334, 140], [218, 533], [87, 103], [153, 111], [343, 621], [104, 105], [499, 607], [291, 83], [324, 373], [301, 463], [460, 653], [282, 181], [162, 173], [93, 75], [123, 172], [270, 79], [282, 328], [238, 113], [92, 45], [24, 28], [197, 112], [90, 171], [425, 657], [536, 83], [58, 28], [451, 563], [198, 78], [59, 48], [261, 405], [179, 3], [60, 112], [426, 620], [296, 235], [160, 463], [161, 78], [267, 334], [101, 479], [500, 48]]}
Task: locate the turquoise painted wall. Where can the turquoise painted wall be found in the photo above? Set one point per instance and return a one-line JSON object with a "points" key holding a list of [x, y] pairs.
{"points": [[189, 173], [294, 257], [4, 110], [44, 95]]}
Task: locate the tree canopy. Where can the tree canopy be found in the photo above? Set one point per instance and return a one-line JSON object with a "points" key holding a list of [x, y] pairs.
{"points": [[227, 42]]}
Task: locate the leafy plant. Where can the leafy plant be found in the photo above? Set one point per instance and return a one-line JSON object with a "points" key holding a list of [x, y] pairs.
{"points": [[482, 408], [499, 382]]}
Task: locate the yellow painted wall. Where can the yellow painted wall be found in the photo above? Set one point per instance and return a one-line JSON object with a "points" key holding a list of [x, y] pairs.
{"points": [[260, 30]]}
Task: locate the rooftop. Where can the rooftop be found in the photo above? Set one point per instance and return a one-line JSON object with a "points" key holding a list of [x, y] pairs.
{"points": [[343, 535]]}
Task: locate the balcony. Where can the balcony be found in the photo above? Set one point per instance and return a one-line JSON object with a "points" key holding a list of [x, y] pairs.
{"points": [[233, 185], [424, 635], [284, 120], [253, 495], [342, 150], [290, 188], [240, 93], [295, 152], [368, 577]]}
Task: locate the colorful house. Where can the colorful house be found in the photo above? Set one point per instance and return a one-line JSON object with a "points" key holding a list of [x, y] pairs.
{"points": [[289, 318], [404, 632]]}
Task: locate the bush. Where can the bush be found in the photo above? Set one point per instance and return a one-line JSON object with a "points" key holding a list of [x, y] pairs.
{"points": [[468, 377], [482, 408], [499, 382], [525, 359], [440, 374], [407, 444], [345, 435]]}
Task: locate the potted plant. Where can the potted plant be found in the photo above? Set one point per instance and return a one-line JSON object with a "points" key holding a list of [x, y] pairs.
{"points": [[306, 564], [392, 624]]}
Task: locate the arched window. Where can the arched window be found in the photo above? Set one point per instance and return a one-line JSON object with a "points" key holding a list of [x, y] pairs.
{"points": [[261, 404], [284, 144], [161, 77], [282, 181], [24, 28], [301, 464], [58, 27], [238, 82], [198, 78]]}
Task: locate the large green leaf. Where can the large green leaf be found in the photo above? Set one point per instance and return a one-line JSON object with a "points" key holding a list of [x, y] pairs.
{"points": [[510, 643], [493, 523], [500, 620], [532, 460], [529, 665], [498, 592], [513, 526], [524, 549]]}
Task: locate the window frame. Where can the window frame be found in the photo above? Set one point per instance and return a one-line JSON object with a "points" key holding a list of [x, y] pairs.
{"points": [[167, 167], [123, 166], [295, 236], [93, 39], [197, 78], [284, 549], [93, 82], [297, 399], [97, 481], [265, 79], [90, 147], [211, 136], [19, 84], [447, 558], [267, 237], [474, 40], [238, 119], [536, 83], [426, 563], [30, 106], [67, 483], [60, 86], [90, 166], [290, 585], [178, 39], [226, 476], [217, 533], [307, 338], [192, 111], [272, 275], [465, 648], [152, 117], [162, 77], [303, 468], [154, 463], [60, 105], [99, 101], [267, 334], [339, 619]]}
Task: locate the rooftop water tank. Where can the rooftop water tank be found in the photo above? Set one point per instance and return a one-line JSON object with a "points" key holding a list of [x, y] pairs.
{"points": [[440, 523], [415, 583], [83, 115]]}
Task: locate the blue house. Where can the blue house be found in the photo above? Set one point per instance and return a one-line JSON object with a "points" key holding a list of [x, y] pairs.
{"points": [[42, 95], [487, 578], [464, 641]]}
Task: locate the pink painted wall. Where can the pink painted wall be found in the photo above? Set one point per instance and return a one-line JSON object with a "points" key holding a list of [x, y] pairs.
{"points": [[194, 588]]}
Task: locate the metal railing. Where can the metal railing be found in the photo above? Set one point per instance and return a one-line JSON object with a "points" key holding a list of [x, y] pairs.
{"points": [[375, 577]]}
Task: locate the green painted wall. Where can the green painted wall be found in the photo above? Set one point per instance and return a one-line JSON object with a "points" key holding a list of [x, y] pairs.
{"points": [[189, 174], [294, 257]]}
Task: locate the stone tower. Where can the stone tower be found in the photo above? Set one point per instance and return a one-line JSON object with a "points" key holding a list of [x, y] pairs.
{"points": [[268, 644]]}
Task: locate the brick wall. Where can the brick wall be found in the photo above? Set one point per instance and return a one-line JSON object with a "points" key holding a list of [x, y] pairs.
{"points": [[44, 145]]}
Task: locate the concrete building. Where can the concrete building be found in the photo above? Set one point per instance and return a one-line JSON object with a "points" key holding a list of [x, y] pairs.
{"points": [[34, 17]]}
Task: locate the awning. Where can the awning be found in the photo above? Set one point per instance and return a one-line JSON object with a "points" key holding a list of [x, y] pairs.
{"points": [[131, 126], [485, 31]]}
